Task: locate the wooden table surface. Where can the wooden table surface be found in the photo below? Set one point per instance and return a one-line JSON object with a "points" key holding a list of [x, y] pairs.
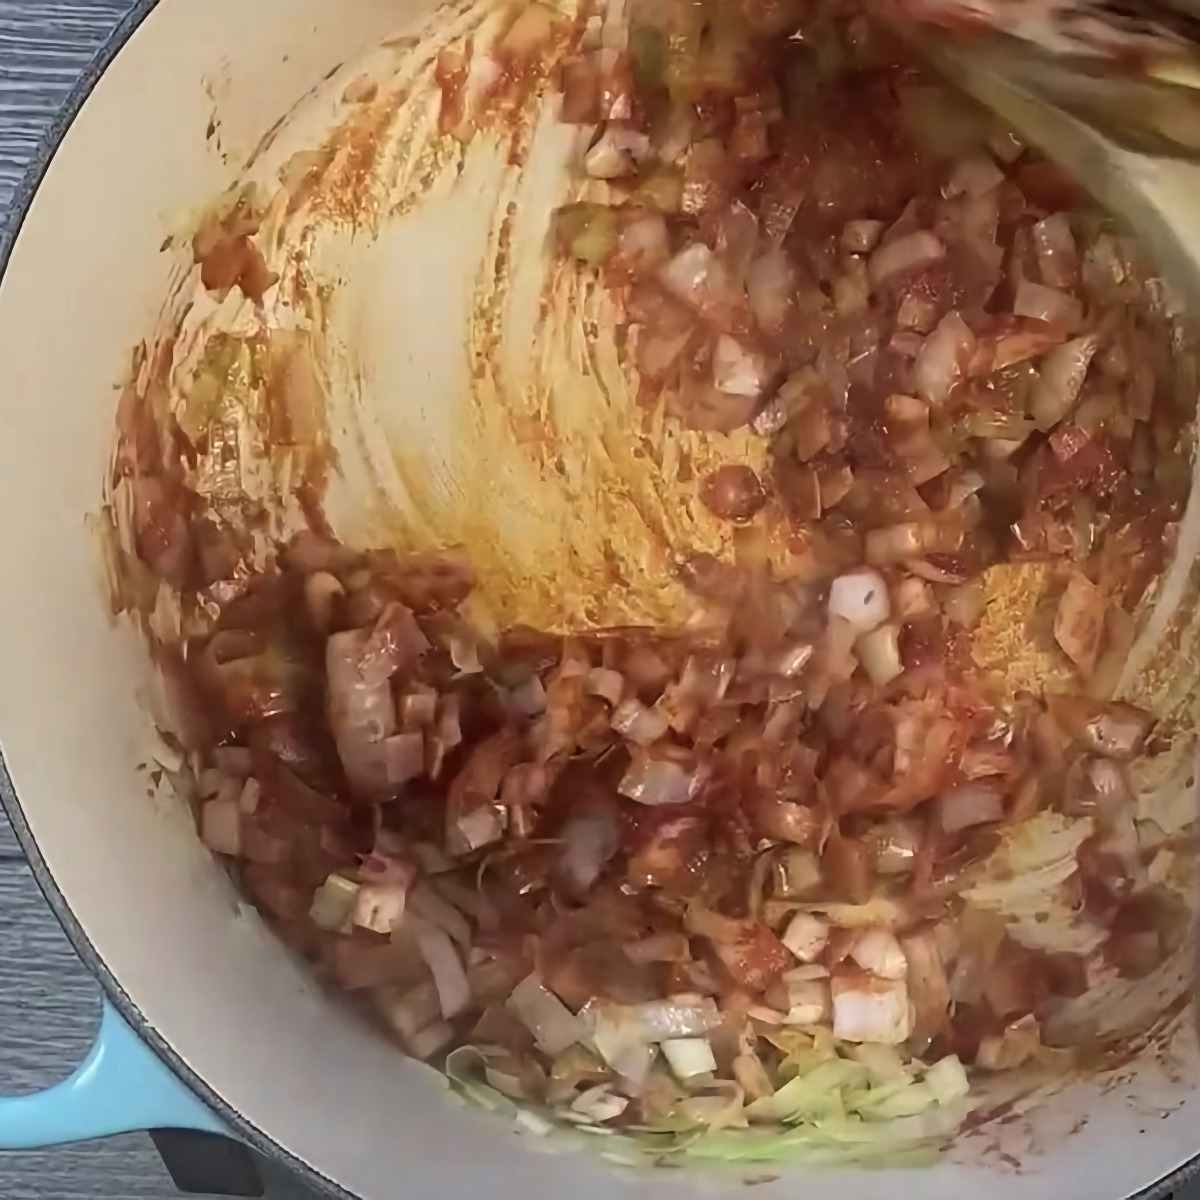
{"points": [[49, 1005]]}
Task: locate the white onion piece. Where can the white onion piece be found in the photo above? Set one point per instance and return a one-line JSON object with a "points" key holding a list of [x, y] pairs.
{"points": [[221, 826], [861, 598], [605, 683], [879, 654], [808, 1002], [660, 1020], [736, 370], [233, 760], [600, 1104], [1059, 379], [907, 342], [479, 827], [449, 975], [333, 904], [425, 903], [851, 290], [805, 973], [973, 177], [799, 874], [464, 654], [607, 160], [638, 724], [896, 846], [895, 543], [878, 951], [914, 599], [250, 797], [806, 936], [1057, 255], [689, 1057], [861, 236], [659, 947], [1041, 303], [917, 313], [589, 841], [553, 1025], [770, 286], [868, 1009], [690, 276], [944, 359], [656, 781], [909, 252], [321, 592], [379, 907], [978, 802], [644, 244], [404, 757]]}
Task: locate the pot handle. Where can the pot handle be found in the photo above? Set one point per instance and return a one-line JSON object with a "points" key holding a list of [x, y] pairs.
{"points": [[121, 1087]]}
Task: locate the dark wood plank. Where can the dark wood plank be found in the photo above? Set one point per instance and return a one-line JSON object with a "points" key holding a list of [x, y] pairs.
{"points": [[43, 46]]}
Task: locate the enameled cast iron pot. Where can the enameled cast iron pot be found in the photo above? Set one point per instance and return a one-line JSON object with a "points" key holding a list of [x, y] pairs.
{"points": [[210, 1024]]}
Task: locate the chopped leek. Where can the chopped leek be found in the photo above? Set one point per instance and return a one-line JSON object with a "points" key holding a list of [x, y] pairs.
{"points": [[553, 1025], [947, 1080], [689, 1057], [333, 904]]}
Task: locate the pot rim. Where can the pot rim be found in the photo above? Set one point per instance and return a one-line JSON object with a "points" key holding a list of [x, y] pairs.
{"points": [[22, 202]]}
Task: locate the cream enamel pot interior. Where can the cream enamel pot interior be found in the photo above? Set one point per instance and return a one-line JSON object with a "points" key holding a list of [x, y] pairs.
{"points": [[223, 1003]]}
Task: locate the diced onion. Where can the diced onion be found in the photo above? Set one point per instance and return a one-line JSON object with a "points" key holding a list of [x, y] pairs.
{"points": [[221, 826], [589, 841], [1054, 244], [860, 598], [404, 757], [879, 653], [908, 253], [878, 951], [806, 936], [553, 1025], [1059, 380], [973, 177], [861, 236], [947, 1080], [334, 903], [868, 1009], [943, 359], [689, 1057], [657, 781], [380, 907], [449, 976], [736, 370], [1047, 304], [977, 802]]}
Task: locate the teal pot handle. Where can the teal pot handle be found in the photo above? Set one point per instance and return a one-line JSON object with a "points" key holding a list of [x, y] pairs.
{"points": [[121, 1087]]}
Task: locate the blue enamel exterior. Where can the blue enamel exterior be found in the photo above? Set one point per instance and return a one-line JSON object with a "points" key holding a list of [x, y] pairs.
{"points": [[122, 1086]]}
